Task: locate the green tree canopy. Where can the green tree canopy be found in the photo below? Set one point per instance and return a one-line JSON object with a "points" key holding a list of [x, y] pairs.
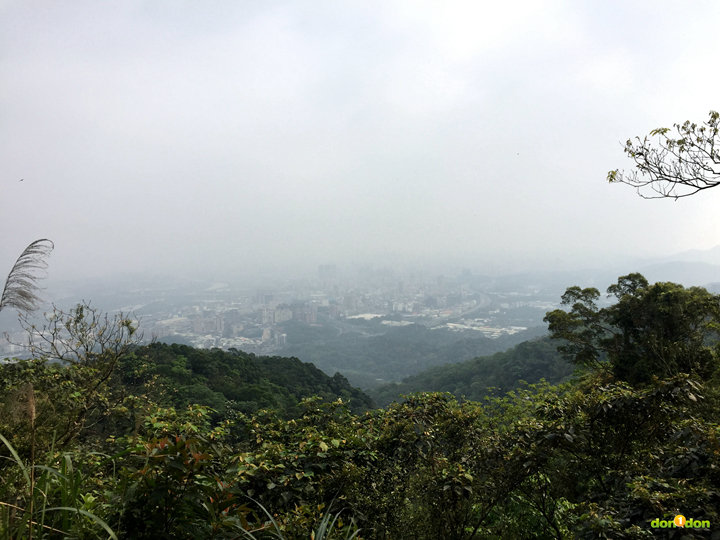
{"points": [[653, 330]]}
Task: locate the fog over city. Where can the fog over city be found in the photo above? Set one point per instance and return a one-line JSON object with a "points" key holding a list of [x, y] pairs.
{"points": [[361, 269], [257, 138]]}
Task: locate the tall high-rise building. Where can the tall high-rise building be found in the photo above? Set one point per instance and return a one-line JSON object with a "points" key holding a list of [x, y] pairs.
{"points": [[265, 296]]}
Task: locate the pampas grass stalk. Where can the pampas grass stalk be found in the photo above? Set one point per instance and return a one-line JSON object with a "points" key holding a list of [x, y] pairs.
{"points": [[30, 391]]}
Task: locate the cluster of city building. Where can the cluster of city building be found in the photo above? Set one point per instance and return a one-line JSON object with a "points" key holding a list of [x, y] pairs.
{"points": [[255, 320]]}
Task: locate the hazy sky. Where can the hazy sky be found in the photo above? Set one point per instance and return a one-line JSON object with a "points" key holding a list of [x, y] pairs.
{"points": [[177, 136]]}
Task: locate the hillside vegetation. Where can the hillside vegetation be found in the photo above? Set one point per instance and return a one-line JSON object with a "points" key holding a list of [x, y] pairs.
{"points": [[391, 354], [473, 380], [242, 382], [114, 441]]}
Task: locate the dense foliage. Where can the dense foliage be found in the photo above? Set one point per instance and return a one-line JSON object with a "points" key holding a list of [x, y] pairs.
{"points": [[599, 457], [214, 377], [651, 331]]}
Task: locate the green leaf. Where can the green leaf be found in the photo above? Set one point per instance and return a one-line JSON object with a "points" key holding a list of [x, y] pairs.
{"points": [[85, 513]]}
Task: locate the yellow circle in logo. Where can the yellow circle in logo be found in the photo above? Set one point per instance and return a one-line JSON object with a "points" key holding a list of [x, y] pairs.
{"points": [[680, 520]]}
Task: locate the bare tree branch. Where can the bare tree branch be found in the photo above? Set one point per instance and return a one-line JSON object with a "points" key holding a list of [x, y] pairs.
{"points": [[674, 168], [21, 285], [90, 345]]}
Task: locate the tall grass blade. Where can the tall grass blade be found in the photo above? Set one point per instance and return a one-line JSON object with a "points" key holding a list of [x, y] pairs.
{"points": [[16, 457], [276, 534], [88, 514]]}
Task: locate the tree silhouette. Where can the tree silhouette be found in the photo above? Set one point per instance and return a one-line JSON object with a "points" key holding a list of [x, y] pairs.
{"points": [[21, 286], [674, 167]]}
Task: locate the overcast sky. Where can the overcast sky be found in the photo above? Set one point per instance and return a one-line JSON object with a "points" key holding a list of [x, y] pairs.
{"points": [[181, 136]]}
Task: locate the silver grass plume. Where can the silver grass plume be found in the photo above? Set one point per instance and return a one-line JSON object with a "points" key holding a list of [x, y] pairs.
{"points": [[21, 285], [30, 403]]}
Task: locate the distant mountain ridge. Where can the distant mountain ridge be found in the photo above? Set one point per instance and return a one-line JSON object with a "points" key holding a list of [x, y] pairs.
{"points": [[709, 256], [695, 267], [687, 273]]}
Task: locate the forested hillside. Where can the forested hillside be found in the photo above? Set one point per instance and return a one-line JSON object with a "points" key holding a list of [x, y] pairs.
{"points": [[474, 379], [243, 382], [395, 353]]}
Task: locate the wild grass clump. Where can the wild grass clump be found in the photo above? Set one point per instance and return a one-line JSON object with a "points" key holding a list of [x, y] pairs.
{"points": [[48, 502], [331, 527]]}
